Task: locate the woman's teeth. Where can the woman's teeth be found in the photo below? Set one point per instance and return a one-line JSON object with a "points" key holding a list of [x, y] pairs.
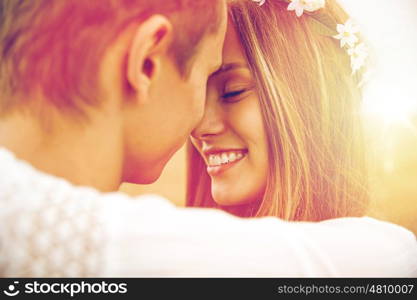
{"points": [[224, 158]]}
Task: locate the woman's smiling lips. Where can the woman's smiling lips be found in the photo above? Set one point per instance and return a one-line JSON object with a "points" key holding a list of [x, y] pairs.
{"points": [[220, 160]]}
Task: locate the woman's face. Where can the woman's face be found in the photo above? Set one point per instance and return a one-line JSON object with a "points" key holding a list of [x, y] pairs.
{"points": [[231, 136]]}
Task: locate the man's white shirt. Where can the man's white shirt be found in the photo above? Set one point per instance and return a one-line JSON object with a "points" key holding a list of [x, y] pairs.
{"points": [[50, 228]]}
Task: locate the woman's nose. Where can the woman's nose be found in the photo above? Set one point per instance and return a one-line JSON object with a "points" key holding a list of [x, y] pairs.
{"points": [[212, 123]]}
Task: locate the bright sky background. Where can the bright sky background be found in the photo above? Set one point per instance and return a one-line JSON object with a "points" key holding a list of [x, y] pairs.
{"points": [[390, 26]]}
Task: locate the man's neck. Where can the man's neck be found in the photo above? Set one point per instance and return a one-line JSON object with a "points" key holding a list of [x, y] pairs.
{"points": [[88, 155]]}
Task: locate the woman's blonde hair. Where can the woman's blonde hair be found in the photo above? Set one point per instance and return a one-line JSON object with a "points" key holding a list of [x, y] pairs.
{"points": [[310, 103]]}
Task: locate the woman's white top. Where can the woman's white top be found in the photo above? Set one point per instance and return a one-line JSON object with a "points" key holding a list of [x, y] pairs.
{"points": [[49, 228]]}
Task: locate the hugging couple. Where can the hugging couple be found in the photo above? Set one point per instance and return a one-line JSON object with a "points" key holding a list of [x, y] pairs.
{"points": [[266, 94]]}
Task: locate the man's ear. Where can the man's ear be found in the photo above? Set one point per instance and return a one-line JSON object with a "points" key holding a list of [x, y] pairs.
{"points": [[150, 43]]}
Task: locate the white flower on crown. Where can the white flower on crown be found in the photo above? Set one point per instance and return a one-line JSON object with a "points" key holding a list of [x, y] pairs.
{"points": [[309, 5], [347, 34], [260, 2], [358, 55]]}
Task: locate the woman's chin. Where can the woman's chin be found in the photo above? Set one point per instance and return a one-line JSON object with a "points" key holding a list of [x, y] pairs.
{"points": [[227, 199], [229, 196]]}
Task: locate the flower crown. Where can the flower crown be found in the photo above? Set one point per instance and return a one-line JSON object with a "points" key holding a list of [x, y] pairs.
{"points": [[346, 33]]}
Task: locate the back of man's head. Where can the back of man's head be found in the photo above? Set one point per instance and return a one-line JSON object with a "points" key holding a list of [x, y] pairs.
{"points": [[54, 48]]}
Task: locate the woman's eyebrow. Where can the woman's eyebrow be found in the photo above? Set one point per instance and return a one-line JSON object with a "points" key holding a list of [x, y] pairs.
{"points": [[228, 67]]}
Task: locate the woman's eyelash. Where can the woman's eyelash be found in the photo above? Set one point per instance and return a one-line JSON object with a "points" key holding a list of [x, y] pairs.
{"points": [[233, 94]]}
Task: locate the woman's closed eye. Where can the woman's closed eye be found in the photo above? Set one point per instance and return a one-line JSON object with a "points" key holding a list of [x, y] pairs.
{"points": [[234, 86], [232, 95]]}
